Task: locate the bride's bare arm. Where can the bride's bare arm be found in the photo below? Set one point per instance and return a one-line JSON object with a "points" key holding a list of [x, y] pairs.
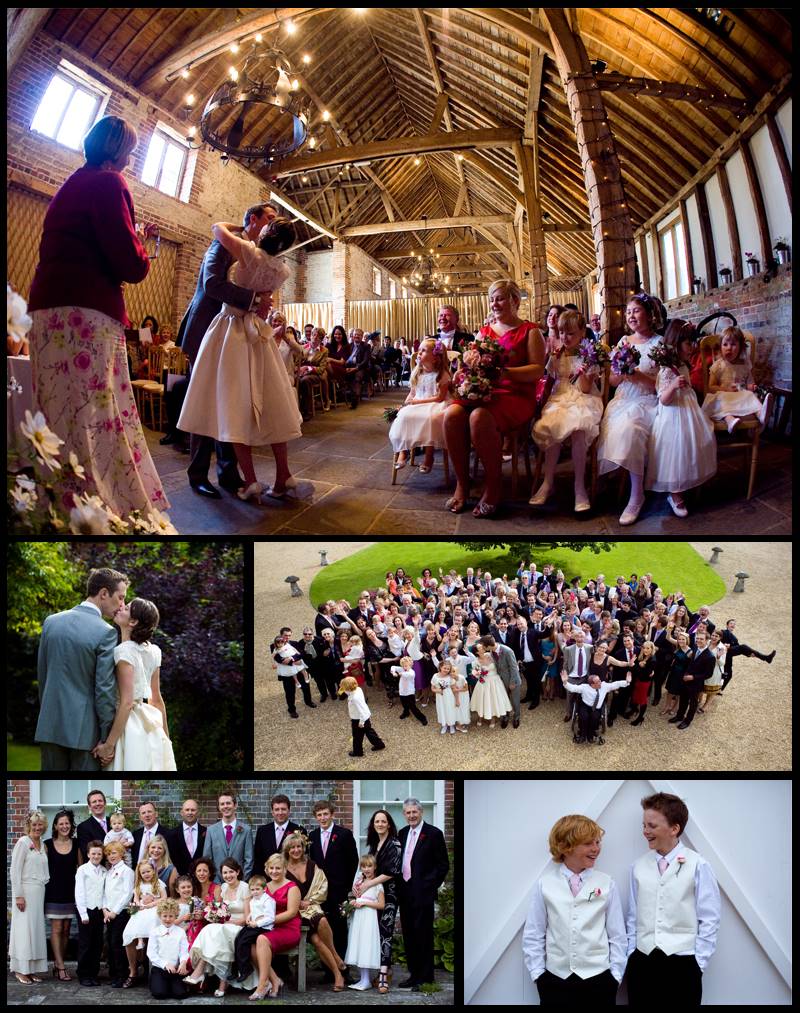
{"points": [[234, 244], [156, 699], [125, 686]]}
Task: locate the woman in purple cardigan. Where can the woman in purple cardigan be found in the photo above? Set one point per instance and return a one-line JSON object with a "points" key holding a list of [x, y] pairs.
{"points": [[80, 368]]}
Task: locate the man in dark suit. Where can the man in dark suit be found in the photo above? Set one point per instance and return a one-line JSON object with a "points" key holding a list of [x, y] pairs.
{"points": [[269, 837], [96, 826], [362, 611], [187, 840], [325, 618], [357, 365], [735, 649], [310, 650], [529, 656], [214, 289], [334, 850], [701, 616], [700, 668], [149, 829], [664, 653], [505, 633], [477, 613], [450, 333], [424, 866], [624, 650]]}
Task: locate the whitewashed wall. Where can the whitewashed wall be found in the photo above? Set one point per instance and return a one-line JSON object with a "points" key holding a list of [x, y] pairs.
{"points": [[742, 827], [779, 215]]}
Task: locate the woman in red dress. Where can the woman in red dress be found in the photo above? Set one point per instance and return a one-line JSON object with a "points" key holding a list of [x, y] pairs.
{"points": [[285, 935], [511, 406], [202, 871]]}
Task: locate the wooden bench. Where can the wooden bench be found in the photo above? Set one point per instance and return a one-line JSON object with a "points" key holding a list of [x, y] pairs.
{"points": [[299, 951]]}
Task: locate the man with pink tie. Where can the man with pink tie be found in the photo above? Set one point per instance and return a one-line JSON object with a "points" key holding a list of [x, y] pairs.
{"points": [[229, 838], [424, 866]]}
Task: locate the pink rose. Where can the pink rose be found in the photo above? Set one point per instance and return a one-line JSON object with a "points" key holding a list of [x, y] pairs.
{"points": [[86, 333], [75, 319], [55, 322], [137, 455], [82, 361]]}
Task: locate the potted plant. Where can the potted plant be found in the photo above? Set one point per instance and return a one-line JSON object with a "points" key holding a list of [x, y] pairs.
{"points": [[781, 247], [753, 264], [697, 285], [725, 274]]}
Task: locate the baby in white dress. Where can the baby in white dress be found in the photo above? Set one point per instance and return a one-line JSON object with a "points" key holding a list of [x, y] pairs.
{"points": [[119, 832], [731, 388]]}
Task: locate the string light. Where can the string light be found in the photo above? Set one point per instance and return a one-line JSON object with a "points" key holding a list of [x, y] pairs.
{"points": [[291, 27], [185, 73]]}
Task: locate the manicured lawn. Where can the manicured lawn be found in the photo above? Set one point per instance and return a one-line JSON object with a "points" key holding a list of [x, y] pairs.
{"points": [[675, 566], [22, 757]]}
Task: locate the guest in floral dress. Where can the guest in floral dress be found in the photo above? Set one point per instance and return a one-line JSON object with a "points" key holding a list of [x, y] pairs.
{"points": [[80, 367]]}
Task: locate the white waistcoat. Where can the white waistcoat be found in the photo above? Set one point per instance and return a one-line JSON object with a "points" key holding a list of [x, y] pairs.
{"points": [[576, 940], [666, 915]]}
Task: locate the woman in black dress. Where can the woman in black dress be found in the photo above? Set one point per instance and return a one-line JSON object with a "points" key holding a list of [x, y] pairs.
{"points": [[643, 671], [601, 660], [680, 662], [63, 859], [383, 843]]}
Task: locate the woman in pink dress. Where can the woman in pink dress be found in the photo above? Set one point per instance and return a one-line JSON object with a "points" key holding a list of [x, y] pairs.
{"points": [[285, 935], [511, 406], [202, 871]]}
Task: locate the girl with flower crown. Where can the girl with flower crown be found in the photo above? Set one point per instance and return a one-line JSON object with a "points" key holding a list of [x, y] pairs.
{"points": [[629, 417], [574, 941], [419, 420]]}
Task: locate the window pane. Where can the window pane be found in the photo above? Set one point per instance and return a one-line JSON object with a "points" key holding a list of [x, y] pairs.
{"points": [[397, 790], [153, 160], [77, 120], [372, 791], [680, 252], [52, 106], [668, 260], [50, 792], [423, 790], [75, 792], [171, 171]]}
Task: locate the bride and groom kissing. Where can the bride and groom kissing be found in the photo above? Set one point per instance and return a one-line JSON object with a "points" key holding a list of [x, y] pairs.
{"points": [[99, 693]]}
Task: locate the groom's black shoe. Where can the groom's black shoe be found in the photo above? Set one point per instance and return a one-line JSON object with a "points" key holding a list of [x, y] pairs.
{"points": [[169, 439], [206, 489], [232, 487]]}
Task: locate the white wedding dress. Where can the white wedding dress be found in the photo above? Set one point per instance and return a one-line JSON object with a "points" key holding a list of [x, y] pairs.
{"points": [[143, 744], [215, 943]]}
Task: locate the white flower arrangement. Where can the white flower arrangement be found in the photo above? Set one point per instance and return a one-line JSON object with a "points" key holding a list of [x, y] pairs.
{"points": [[19, 323]]}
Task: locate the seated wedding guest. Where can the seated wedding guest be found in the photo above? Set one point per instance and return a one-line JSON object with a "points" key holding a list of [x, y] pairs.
{"points": [[315, 367], [203, 873], [574, 939], [29, 874], [213, 948], [339, 349], [63, 860], [592, 694], [551, 339], [450, 332], [357, 366], [89, 887], [260, 916], [168, 952], [80, 381], [674, 910], [420, 417], [284, 935], [117, 894], [360, 716], [313, 884]]}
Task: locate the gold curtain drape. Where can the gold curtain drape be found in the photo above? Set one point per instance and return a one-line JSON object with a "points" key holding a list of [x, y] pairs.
{"points": [[298, 314], [411, 318]]}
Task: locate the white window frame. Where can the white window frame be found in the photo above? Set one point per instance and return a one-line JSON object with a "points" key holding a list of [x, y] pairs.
{"points": [[436, 818], [392, 288], [377, 281], [81, 809], [80, 81], [172, 137], [671, 227]]}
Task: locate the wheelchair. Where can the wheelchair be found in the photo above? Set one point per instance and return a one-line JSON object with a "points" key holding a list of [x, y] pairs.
{"points": [[601, 727]]}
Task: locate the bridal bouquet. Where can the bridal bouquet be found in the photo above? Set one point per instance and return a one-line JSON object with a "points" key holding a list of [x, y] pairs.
{"points": [[347, 907], [624, 360], [216, 911], [390, 415], [474, 384], [593, 355], [666, 357]]}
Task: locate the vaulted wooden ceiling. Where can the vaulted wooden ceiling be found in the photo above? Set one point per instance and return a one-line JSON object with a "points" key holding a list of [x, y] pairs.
{"points": [[380, 73]]}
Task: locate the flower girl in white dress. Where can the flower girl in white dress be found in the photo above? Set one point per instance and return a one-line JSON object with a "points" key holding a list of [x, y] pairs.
{"points": [[364, 938], [731, 388], [148, 890], [139, 737], [574, 409], [239, 391], [442, 685], [683, 449], [419, 422]]}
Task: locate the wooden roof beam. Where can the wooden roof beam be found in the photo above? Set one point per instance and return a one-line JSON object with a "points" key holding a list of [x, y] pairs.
{"points": [[445, 251], [514, 25], [426, 225], [671, 89], [396, 148]]}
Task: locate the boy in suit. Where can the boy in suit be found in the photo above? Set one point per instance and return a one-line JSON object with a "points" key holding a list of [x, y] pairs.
{"points": [[674, 910]]}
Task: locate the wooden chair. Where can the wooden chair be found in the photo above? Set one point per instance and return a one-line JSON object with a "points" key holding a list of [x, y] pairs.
{"points": [[151, 391], [312, 386], [749, 427]]}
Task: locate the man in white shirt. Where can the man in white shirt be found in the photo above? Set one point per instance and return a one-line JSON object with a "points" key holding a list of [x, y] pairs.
{"points": [[269, 837], [576, 665], [590, 705], [187, 840], [674, 911], [89, 882], [229, 838], [117, 894], [168, 953], [149, 829]]}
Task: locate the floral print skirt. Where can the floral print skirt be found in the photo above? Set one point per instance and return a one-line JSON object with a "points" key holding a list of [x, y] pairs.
{"points": [[81, 384]]}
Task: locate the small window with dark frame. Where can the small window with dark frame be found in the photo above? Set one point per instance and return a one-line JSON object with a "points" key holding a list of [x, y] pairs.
{"points": [[70, 106]]}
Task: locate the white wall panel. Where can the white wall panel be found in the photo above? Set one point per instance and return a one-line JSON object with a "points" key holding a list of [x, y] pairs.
{"points": [[719, 223], [778, 214]]}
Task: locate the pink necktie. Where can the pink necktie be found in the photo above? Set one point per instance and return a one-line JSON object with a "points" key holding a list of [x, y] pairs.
{"points": [[278, 835], [326, 836], [575, 884], [412, 837], [662, 866], [188, 834], [228, 834]]}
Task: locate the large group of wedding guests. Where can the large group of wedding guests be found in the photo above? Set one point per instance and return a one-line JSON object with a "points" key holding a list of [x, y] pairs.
{"points": [[481, 646], [225, 902]]}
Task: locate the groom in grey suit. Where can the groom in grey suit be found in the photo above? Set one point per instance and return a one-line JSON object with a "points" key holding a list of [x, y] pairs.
{"points": [[230, 838], [505, 662], [77, 682]]}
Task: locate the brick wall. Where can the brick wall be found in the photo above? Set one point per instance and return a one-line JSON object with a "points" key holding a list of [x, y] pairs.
{"points": [[765, 308], [218, 193]]}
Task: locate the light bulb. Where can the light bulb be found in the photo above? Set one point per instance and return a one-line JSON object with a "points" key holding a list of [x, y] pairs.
{"points": [[234, 47], [417, 161], [304, 179], [326, 115], [190, 100], [291, 27], [306, 58], [234, 73], [184, 73], [259, 37]]}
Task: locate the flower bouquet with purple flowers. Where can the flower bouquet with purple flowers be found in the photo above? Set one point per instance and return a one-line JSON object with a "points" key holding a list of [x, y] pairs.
{"points": [[666, 357], [593, 355], [624, 359], [475, 384], [216, 911]]}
